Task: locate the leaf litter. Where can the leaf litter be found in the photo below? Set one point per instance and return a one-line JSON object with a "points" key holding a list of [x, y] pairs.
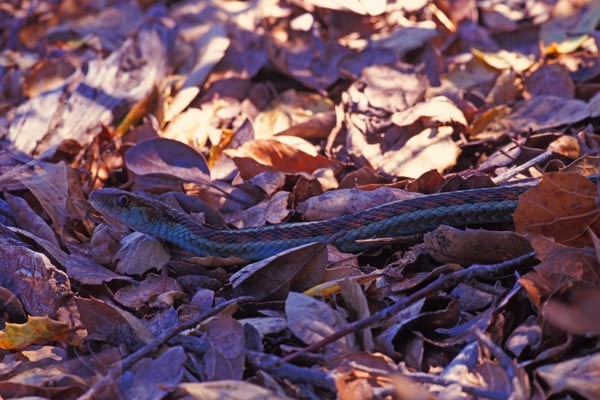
{"points": [[255, 113]]}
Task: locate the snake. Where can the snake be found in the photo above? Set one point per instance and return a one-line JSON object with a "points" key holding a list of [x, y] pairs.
{"points": [[349, 233]]}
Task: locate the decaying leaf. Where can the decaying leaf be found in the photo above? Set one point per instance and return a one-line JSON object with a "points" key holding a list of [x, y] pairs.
{"points": [[562, 206], [35, 330]]}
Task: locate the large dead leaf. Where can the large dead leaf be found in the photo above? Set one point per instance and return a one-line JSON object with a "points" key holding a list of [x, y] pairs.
{"points": [[580, 375], [560, 266], [112, 324], [562, 206], [290, 113], [225, 356], [341, 202], [547, 112], [451, 245], [38, 284], [431, 148], [227, 389], [35, 330], [312, 320], [552, 80], [213, 46], [439, 111], [163, 372], [297, 269], [77, 110], [259, 156], [574, 309], [164, 157]]}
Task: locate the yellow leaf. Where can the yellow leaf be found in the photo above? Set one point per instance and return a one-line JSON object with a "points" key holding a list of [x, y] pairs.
{"points": [[35, 330]]}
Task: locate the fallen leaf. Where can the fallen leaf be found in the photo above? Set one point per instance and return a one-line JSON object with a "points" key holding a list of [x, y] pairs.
{"points": [[551, 80], [35, 330], [112, 324], [227, 389], [341, 202], [438, 111], [562, 206], [504, 59], [580, 375], [225, 356], [450, 245], [259, 156], [164, 372], [312, 320], [140, 253], [574, 309], [296, 269], [165, 157], [213, 45], [543, 112]]}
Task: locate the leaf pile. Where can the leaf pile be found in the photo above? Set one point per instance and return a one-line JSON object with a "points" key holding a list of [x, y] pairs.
{"points": [[244, 114]]}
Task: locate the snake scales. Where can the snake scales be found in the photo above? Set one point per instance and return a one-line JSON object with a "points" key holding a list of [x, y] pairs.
{"points": [[398, 218]]}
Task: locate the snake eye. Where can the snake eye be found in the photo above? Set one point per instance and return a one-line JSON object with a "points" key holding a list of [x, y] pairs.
{"points": [[123, 200]]}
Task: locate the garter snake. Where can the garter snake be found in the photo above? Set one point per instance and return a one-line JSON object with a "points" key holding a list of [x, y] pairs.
{"points": [[399, 218]]}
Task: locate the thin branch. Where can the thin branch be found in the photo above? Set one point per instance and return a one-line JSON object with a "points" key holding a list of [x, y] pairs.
{"points": [[444, 281], [151, 347]]}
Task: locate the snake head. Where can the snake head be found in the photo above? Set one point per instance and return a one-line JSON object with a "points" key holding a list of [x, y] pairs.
{"points": [[136, 212]]}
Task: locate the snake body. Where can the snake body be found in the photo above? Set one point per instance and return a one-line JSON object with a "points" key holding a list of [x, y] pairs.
{"points": [[398, 218]]}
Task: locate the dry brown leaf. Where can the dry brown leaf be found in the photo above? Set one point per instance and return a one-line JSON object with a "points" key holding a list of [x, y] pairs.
{"points": [[112, 323], [567, 146], [225, 356], [259, 156], [297, 269], [213, 45], [504, 59], [87, 272], [552, 80], [137, 112], [46, 76], [273, 210], [355, 299], [574, 309], [594, 105], [163, 372], [189, 127], [136, 295], [168, 158], [28, 220], [341, 202], [312, 320], [562, 206], [568, 25], [431, 148], [292, 112], [560, 266], [451, 245], [36, 330], [580, 375], [140, 253], [373, 8], [227, 389], [38, 284], [543, 112], [50, 186], [438, 111]]}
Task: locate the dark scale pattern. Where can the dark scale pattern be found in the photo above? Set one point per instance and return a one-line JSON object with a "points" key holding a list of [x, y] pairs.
{"points": [[404, 217]]}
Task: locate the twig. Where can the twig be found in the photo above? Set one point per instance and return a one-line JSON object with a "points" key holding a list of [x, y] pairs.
{"points": [[279, 368], [131, 359], [472, 390], [516, 389], [444, 281], [519, 168]]}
